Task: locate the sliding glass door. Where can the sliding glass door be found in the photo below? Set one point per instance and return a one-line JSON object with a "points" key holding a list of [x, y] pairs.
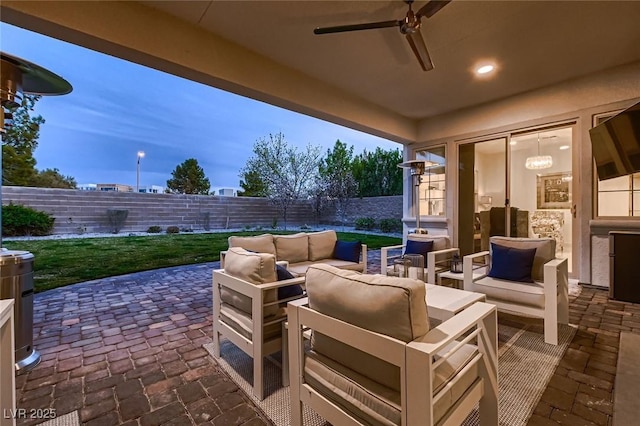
{"points": [[518, 185]]}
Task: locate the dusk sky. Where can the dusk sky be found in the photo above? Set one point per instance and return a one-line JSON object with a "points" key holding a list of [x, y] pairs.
{"points": [[118, 108]]}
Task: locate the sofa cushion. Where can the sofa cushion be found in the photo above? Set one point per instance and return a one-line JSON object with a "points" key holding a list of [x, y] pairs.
{"points": [[292, 248], [545, 251], [440, 242], [300, 269], [242, 323], [321, 244], [347, 250], [511, 264], [392, 306], [254, 268], [260, 243], [419, 247], [531, 294], [288, 291]]}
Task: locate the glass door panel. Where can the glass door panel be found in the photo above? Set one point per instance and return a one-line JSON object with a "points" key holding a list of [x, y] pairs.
{"points": [[541, 180]]}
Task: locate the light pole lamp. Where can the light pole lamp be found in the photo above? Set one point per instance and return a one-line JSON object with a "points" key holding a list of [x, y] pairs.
{"points": [[416, 167], [140, 155]]}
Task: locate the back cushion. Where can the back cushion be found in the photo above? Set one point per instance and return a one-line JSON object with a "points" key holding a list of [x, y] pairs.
{"points": [[260, 243], [545, 251], [387, 305], [321, 244], [255, 268], [440, 242], [293, 248]]}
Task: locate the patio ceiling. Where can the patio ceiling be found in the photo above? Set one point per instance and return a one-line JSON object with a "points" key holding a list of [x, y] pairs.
{"points": [[368, 80]]}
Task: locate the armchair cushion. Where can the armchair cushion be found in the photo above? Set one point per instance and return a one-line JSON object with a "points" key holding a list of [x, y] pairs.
{"points": [[292, 248], [347, 250], [321, 244], [419, 247], [260, 243], [440, 242], [511, 264], [387, 305], [545, 251]]}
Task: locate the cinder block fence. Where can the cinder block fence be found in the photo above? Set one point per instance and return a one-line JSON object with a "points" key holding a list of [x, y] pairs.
{"points": [[86, 211]]}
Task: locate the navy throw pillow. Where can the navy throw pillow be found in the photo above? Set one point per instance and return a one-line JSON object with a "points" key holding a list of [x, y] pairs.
{"points": [[347, 250], [510, 263], [419, 247], [290, 290]]}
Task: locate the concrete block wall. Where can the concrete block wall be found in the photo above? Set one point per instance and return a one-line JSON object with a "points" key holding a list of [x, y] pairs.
{"points": [[77, 211], [86, 211]]}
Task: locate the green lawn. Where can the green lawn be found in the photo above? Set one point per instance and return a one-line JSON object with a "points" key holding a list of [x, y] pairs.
{"points": [[63, 262]]}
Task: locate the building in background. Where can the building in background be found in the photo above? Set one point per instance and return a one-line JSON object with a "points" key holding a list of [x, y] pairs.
{"points": [[118, 187], [87, 187], [152, 189], [226, 192]]}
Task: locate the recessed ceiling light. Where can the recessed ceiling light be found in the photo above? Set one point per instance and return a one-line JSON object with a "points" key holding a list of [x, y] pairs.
{"points": [[563, 147], [485, 69]]}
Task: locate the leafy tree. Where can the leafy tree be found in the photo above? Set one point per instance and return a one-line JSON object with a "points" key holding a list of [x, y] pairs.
{"points": [[52, 178], [19, 143], [288, 174], [189, 178], [377, 173], [336, 177], [252, 184]]}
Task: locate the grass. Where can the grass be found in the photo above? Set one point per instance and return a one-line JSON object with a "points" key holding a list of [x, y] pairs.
{"points": [[62, 262]]}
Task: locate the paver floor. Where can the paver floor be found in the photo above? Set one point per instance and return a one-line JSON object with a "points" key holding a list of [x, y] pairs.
{"points": [[128, 350]]}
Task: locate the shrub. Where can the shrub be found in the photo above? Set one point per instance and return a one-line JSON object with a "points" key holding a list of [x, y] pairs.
{"points": [[390, 225], [19, 220], [366, 223], [117, 218], [173, 230], [186, 230], [155, 229]]}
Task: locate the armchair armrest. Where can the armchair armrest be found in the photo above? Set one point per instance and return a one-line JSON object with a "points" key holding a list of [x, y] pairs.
{"points": [[468, 268], [364, 258], [223, 253], [384, 257], [433, 257]]}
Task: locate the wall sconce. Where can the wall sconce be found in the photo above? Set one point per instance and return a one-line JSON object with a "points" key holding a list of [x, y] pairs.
{"points": [[485, 201]]}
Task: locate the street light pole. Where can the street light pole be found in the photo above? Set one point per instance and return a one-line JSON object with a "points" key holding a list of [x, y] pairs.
{"points": [[140, 155]]}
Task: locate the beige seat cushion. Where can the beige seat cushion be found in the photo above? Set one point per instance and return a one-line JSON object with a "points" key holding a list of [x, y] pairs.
{"points": [[292, 248], [376, 404], [531, 294], [254, 268], [440, 242], [322, 244], [392, 306], [260, 243], [545, 251], [301, 268], [242, 323]]}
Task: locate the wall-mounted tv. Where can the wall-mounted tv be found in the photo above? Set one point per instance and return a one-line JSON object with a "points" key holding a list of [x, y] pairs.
{"points": [[616, 144]]}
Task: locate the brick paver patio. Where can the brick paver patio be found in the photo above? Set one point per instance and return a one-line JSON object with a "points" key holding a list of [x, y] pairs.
{"points": [[128, 350]]}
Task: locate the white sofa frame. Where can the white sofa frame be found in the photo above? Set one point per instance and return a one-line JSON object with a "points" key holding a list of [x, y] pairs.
{"points": [[556, 292], [416, 361], [255, 347]]}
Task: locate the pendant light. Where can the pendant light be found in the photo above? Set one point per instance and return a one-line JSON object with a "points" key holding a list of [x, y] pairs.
{"points": [[538, 162]]}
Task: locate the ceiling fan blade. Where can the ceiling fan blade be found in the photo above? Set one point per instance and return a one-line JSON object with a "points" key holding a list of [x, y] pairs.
{"points": [[356, 27], [430, 9], [420, 50]]}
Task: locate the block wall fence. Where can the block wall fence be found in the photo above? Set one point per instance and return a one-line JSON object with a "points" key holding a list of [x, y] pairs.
{"points": [[78, 211]]}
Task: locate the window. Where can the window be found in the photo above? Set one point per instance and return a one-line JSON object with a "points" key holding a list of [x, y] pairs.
{"points": [[618, 196], [432, 186]]}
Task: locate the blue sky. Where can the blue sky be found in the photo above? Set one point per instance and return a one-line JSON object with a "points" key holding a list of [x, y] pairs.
{"points": [[118, 108]]}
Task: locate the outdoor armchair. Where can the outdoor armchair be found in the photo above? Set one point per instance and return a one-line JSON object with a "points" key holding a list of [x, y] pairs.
{"points": [[542, 294], [437, 260], [374, 361], [246, 307]]}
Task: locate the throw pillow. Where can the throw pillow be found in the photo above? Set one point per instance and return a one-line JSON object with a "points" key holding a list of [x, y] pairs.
{"points": [[288, 291], [512, 264], [347, 250], [419, 247]]}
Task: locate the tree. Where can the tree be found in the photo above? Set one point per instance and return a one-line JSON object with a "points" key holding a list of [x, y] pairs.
{"points": [[252, 184], [19, 143], [288, 174], [189, 178], [336, 177], [378, 173], [52, 178]]}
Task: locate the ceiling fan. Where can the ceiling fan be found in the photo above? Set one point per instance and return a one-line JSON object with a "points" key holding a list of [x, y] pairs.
{"points": [[409, 26]]}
